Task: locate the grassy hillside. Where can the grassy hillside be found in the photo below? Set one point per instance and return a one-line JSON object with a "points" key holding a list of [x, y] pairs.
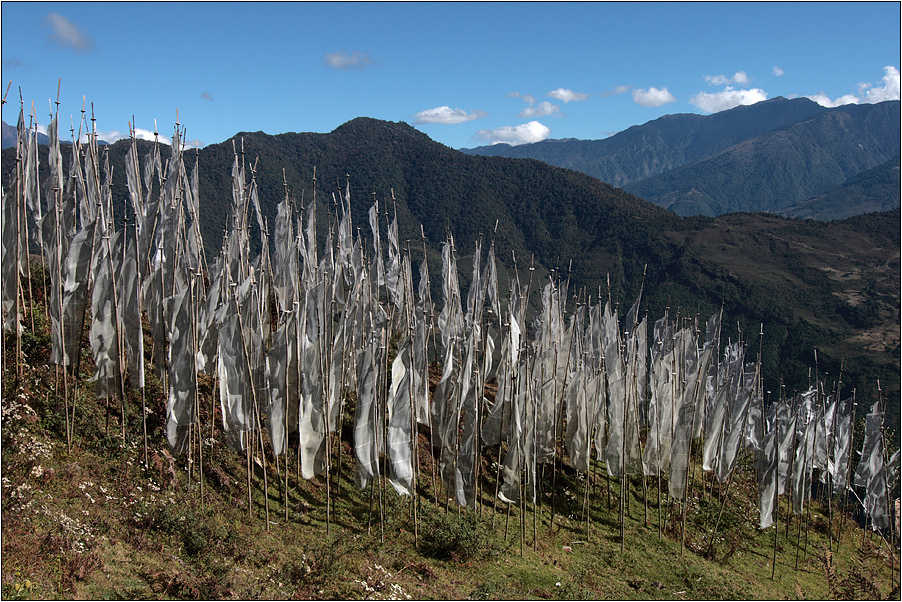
{"points": [[97, 521]]}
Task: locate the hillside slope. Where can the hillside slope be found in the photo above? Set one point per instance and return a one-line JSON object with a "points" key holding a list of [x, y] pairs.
{"points": [[834, 287], [106, 520]]}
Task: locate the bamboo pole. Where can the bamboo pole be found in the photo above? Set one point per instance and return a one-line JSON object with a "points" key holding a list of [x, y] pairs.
{"points": [[730, 476], [624, 482], [559, 414], [845, 496], [200, 437], [832, 439], [62, 328], [31, 125], [118, 326], [19, 311], [687, 493], [414, 447], [522, 491], [773, 569]]}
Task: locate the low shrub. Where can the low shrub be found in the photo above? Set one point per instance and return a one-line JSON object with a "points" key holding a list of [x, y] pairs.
{"points": [[447, 536]]}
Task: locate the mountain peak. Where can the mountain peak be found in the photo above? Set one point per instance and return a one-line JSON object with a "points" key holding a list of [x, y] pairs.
{"points": [[370, 126]]}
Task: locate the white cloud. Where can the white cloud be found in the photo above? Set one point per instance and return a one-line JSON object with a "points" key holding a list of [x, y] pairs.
{"points": [[112, 136], [527, 98], [777, 71], [653, 97], [824, 100], [566, 95], [867, 92], [446, 115], [714, 102], [66, 33], [514, 135], [109, 137], [142, 134], [618, 90], [348, 61], [542, 109], [740, 77], [888, 91]]}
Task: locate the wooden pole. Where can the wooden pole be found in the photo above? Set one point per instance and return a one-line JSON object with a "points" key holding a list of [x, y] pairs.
{"points": [[558, 417], [776, 501], [845, 496], [27, 249], [20, 310], [685, 503], [200, 436]]}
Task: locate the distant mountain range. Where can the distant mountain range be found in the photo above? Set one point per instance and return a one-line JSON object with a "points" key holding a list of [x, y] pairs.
{"points": [[770, 156], [876, 189], [790, 157], [834, 287], [9, 137]]}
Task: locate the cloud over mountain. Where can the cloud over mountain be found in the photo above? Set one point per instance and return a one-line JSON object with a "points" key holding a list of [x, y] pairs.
{"points": [[514, 135], [112, 136], [825, 101], [652, 97], [715, 102], [446, 115], [867, 92], [888, 91]]}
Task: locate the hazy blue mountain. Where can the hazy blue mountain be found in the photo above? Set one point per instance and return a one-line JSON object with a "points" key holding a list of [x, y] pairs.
{"points": [[768, 156], [663, 144], [9, 136], [782, 168], [876, 189]]}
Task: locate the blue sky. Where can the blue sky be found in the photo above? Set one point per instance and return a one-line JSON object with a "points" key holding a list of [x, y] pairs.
{"points": [[466, 74]]}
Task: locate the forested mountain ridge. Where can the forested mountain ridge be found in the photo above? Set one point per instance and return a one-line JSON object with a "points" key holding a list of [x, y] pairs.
{"points": [[834, 287], [782, 168], [876, 189], [662, 144], [763, 157]]}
